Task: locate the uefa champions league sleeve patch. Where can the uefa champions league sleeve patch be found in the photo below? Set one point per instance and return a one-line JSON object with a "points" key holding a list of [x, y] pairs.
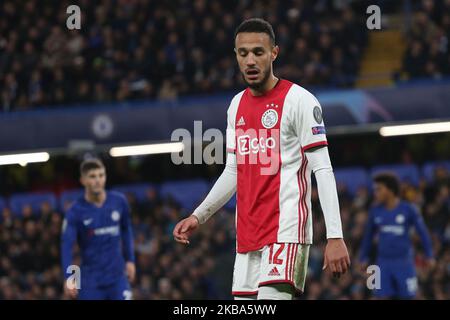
{"points": [[317, 115], [318, 130]]}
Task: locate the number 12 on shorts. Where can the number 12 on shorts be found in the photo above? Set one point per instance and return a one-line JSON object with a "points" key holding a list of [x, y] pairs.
{"points": [[274, 259]]}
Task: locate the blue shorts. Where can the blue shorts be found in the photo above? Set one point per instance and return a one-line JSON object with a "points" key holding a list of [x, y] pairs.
{"points": [[119, 290], [398, 279]]}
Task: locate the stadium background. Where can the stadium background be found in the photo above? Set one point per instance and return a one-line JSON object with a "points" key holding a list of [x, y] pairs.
{"points": [[154, 56]]}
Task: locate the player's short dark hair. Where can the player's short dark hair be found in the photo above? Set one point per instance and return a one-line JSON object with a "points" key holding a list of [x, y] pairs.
{"points": [[389, 180], [91, 164], [257, 25]]}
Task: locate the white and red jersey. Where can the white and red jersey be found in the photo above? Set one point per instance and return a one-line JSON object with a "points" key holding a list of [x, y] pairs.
{"points": [[269, 134]]}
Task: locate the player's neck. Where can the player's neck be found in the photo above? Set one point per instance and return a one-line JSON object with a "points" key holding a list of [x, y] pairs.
{"points": [[270, 84], [392, 203], [96, 199]]}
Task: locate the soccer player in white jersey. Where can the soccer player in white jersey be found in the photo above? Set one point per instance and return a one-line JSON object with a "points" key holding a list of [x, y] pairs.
{"points": [[275, 140]]}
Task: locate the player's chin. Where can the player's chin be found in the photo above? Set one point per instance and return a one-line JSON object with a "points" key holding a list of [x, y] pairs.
{"points": [[98, 190], [253, 83]]}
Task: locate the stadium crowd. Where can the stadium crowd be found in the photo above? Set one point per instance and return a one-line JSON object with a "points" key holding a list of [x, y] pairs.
{"points": [[137, 49], [428, 50], [30, 265]]}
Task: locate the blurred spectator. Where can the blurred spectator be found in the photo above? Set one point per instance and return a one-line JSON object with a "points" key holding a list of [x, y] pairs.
{"points": [[427, 52], [129, 50], [30, 266]]}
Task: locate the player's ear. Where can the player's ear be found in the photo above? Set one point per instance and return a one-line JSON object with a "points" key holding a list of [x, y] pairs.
{"points": [[275, 51]]}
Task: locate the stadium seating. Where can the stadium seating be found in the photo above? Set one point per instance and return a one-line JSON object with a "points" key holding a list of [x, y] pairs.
{"points": [[139, 191], [18, 201], [230, 205], [173, 61], [152, 225], [406, 172], [352, 178], [429, 168], [2, 204], [67, 197], [187, 193]]}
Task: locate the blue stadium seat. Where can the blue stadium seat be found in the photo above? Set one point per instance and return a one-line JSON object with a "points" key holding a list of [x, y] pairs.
{"points": [[405, 172], [352, 178], [138, 190], [429, 168], [2, 204], [231, 205], [68, 197], [187, 193], [35, 200]]}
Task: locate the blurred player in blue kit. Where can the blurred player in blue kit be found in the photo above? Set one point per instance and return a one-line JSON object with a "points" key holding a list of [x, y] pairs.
{"points": [[392, 219], [100, 223]]}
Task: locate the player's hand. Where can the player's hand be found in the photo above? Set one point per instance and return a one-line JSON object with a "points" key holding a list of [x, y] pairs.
{"points": [[184, 229], [70, 290], [130, 269], [336, 257]]}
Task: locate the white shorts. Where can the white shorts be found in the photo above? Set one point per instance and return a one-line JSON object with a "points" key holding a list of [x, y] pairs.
{"points": [[272, 264]]}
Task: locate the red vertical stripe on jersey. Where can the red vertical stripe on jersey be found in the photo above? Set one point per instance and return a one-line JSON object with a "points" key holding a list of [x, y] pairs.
{"points": [[286, 274], [302, 199], [300, 203], [288, 265], [302, 195], [305, 192]]}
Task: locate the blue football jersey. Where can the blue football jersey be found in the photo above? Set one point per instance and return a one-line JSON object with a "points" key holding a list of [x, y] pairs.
{"points": [[393, 230], [104, 236]]}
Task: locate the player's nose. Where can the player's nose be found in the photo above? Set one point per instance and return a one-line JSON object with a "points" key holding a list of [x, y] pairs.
{"points": [[250, 60]]}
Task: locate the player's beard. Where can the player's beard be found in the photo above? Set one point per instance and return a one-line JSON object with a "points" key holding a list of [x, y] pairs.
{"points": [[258, 85]]}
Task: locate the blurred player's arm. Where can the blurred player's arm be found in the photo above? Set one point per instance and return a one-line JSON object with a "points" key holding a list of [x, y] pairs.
{"points": [[68, 239], [367, 240], [127, 241], [421, 228], [310, 128]]}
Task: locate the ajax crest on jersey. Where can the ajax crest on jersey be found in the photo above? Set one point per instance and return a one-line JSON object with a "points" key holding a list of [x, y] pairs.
{"points": [[400, 218], [115, 215], [269, 118]]}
